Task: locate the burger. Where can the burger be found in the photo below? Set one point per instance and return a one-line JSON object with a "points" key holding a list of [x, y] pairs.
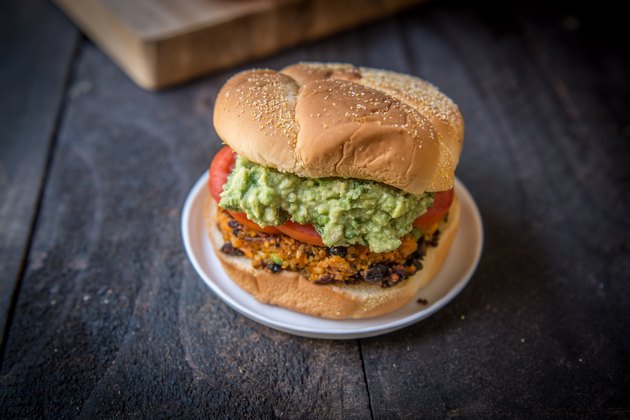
{"points": [[333, 194]]}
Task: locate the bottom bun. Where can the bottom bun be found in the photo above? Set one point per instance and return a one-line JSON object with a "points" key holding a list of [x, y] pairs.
{"points": [[289, 289]]}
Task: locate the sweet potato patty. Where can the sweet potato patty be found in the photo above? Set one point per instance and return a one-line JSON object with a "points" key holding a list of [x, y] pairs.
{"points": [[323, 265]]}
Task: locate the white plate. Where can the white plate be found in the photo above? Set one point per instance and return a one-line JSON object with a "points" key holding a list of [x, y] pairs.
{"points": [[452, 278]]}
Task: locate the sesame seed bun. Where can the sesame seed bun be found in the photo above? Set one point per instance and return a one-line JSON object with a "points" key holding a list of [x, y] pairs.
{"points": [[336, 120]]}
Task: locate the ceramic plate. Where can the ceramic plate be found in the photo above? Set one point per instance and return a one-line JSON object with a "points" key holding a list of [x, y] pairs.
{"points": [[452, 278]]}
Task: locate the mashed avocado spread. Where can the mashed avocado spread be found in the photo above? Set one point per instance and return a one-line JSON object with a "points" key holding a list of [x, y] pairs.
{"points": [[343, 211]]}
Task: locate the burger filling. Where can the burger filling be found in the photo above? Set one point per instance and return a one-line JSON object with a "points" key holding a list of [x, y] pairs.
{"points": [[345, 212], [324, 265]]}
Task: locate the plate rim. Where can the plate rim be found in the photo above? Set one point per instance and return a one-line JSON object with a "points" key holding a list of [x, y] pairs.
{"points": [[197, 192]]}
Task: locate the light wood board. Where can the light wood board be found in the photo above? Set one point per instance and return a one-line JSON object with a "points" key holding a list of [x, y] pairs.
{"points": [[163, 42]]}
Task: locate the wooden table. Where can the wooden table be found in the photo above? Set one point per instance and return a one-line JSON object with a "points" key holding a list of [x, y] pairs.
{"points": [[104, 315]]}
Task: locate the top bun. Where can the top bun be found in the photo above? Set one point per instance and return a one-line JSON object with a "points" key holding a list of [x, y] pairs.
{"points": [[336, 120]]}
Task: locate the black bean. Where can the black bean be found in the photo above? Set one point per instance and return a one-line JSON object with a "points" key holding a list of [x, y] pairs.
{"points": [[229, 249], [355, 279], [338, 250], [273, 267], [400, 272], [422, 248], [234, 224], [325, 279], [414, 259], [435, 239], [377, 272]]}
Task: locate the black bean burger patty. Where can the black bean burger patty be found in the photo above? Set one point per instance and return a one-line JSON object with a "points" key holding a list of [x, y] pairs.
{"points": [[324, 265]]}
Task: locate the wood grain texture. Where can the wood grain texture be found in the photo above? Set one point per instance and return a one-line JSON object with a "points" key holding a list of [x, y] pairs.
{"points": [[111, 318], [160, 43], [32, 80], [540, 330], [112, 321]]}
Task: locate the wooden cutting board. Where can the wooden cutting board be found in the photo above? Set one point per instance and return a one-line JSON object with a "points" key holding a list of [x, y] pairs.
{"points": [[163, 42]]}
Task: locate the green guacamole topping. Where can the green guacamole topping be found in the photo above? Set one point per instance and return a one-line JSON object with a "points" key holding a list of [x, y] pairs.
{"points": [[344, 211]]}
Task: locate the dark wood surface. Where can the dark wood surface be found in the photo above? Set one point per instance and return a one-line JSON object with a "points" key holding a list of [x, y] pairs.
{"points": [[107, 318], [32, 81]]}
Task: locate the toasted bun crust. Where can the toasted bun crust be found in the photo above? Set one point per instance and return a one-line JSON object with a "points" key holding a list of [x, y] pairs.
{"points": [[292, 291], [336, 120]]}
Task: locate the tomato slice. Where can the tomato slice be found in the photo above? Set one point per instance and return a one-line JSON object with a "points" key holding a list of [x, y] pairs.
{"points": [[302, 233], [220, 168], [441, 203], [243, 220]]}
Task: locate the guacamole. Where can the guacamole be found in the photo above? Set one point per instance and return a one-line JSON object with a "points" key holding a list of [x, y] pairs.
{"points": [[343, 211]]}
